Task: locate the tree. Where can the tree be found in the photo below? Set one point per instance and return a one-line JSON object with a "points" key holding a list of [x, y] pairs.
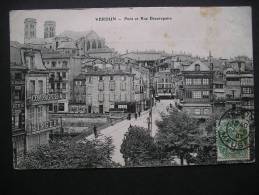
{"points": [[178, 135], [63, 154], [207, 152], [138, 148]]}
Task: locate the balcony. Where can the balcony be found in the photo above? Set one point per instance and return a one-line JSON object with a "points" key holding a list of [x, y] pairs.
{"points": [[218, 90], [196, 100], [248, 107], [45, 98], [42, 127], [247, 95]]}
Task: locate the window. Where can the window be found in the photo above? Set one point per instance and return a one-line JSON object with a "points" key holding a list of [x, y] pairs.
{"points": [[58, 75], [188, 94], [111, 78], [61, 107], [40, 114], [53, 64], [58, 85], [100, 78], [31, 115], [123, 78], [197, 67], [205, 81], [64, 86], [218, 86], [196, 81], [206, 111], [18, 76], [64, 64], [205, 94], [32, 87], [100, 97], [89, 79], [101, 86], [123, 97], [64, 75], [123, 86], [93, 45], [188, 81], [112, 86], [196, 94], [50, 107], [197, 111], [112, 97], [17, 93], [40, 82], [160, 86], [16, 120], [247, 90]]}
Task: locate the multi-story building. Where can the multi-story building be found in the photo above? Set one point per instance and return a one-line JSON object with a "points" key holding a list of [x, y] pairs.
{"points": [[18, 71], [163, 79], [62, 68], [38, 124], [58, 68], [247, 90], [108, 90], [77, 103], [233, 87], [197, 90]]}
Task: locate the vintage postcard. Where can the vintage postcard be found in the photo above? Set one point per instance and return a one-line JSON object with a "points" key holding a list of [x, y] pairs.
{"points": [[132, 87]]}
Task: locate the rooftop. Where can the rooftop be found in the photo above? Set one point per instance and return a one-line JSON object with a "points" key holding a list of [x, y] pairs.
{"points": [[103, 73], [54, 55], [67, 45]]}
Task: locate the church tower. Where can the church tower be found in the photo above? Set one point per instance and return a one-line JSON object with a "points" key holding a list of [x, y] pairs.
{"points": [[49, 29], [29, 29]]}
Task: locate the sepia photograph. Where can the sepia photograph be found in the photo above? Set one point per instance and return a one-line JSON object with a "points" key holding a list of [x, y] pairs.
{"points": [[131, 87]]}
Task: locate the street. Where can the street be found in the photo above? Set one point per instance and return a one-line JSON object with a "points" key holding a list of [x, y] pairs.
{"points": [[118, 130]]}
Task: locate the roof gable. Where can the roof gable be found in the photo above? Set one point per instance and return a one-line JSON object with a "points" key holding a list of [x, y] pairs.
{"points": [[203, 66]]}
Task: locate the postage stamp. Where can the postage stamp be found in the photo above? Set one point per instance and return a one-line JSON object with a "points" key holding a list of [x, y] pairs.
{"points": [[233, 136]]}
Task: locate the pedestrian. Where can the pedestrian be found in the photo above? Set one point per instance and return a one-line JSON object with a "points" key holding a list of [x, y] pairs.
{"points": [[95, 132], [130, 126], [139, 113], [136, 115], [148, 123], [129, 116], [171, 105], [150, 113]]}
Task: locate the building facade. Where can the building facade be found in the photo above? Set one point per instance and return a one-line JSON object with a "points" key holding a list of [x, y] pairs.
{"points": [[58, 78], [38, 124], [197, 90], [247, 90], [18, 71]]}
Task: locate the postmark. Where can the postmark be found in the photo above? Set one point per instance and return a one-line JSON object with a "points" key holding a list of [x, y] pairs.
{"points": [[233, 135]]}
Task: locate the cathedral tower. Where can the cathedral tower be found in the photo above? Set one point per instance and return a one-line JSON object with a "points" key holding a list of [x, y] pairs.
{"points": [[49, 29], [29, 29]]}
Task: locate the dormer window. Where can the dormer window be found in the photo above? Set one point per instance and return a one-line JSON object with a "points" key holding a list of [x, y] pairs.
{"points": [[197, 67]]}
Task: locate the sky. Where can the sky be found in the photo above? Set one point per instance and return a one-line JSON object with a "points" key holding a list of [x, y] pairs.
{"points": [[225, 31]]}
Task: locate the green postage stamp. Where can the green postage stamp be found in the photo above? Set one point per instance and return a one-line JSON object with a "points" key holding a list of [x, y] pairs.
{"points": [[233, 138]]}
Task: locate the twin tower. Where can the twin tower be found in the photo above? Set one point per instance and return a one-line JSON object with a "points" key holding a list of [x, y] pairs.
{"points": [[30, 29]]}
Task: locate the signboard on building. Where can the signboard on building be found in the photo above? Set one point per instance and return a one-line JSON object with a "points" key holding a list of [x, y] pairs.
{"points": [[43, 126], [48, 97]]}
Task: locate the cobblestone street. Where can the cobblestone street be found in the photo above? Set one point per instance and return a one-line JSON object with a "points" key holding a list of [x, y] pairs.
{"points": [[118, 130]]}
